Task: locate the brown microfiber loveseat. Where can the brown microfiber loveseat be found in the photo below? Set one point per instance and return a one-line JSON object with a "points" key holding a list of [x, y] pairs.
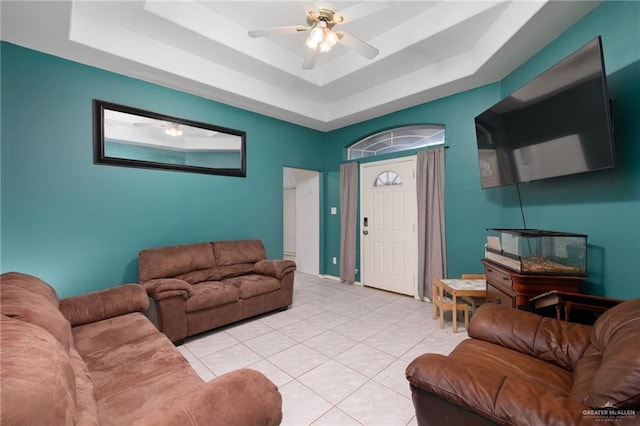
{"points": [[519, 368], [198, 287], [95, 359]]}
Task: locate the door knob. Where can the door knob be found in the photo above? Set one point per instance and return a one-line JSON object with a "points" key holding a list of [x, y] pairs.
{"points": [[365, 232]]}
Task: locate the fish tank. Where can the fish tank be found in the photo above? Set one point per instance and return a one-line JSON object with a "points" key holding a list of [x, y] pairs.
{"points": [[536, 251]]}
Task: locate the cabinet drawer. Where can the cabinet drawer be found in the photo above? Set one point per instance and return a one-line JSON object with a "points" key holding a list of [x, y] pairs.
{"points": [[499, 277], [495, 295]]}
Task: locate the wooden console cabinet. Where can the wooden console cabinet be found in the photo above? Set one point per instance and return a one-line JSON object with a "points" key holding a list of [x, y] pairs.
{"points": [[512, 289]]}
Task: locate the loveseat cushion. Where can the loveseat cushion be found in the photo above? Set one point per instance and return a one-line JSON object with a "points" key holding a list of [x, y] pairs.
{"points": [[169, 261], [38, 384], [211, 294], [560, 342], [609, 373], [253, 285], [499, 360], [241, 251], [30, 299], [502, 398]]}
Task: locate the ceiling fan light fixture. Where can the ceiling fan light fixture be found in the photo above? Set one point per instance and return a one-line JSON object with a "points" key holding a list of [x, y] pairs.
{"points": [[311, 43], [330, 37], [317, 33]]}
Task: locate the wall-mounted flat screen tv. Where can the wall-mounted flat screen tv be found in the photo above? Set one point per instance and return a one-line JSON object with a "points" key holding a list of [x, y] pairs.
{"points": [[557, 124]]}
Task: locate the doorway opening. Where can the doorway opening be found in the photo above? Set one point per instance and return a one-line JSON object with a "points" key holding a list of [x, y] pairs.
{"points": [[301, 218]]}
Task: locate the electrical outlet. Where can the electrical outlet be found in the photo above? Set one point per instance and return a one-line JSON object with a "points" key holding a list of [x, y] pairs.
{"points": [[335, 261]]}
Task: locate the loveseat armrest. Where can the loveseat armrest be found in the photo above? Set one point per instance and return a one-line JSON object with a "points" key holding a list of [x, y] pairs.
{"points": [[163, 288], [241, 397], [275, 268], [500, 399], [103, 304], [559, 342]]}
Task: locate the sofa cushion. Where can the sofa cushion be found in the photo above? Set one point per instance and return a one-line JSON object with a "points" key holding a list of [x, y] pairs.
{"points": [[32, 284], [30, 299], [195, 277], [253, 285], [230, 271], [610, 373], [38, 385], [151, 374], [169, 261], [86, 407], [211, 294], [242, 251], [111, 332]]}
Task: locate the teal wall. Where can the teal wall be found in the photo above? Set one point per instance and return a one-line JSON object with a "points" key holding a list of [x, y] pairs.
{"points": [[605, 204], [80, 226]]}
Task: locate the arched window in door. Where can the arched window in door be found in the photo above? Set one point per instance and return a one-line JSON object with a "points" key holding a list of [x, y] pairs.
{"points": [[388, 178], [396, 140]]}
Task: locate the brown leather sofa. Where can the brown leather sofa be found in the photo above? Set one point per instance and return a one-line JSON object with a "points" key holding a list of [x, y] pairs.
{"points": [[519, 368], [95, 359], [198, 287]]}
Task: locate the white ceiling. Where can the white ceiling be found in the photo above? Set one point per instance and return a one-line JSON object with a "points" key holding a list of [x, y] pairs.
{"points": [[428, 49]]}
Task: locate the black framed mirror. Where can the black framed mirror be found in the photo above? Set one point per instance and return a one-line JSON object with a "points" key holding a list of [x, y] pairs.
{"points": [[132, 137]]}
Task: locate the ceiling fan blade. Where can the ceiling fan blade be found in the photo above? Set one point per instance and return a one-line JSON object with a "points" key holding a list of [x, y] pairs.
{"points": [[363, 9], [277, 31], [310, 58], [359, 46]]}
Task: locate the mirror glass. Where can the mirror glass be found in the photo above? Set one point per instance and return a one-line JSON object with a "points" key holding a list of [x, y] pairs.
{"points": [[132, 137]]}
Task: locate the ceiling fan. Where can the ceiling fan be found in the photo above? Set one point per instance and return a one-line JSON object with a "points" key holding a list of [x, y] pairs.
{"points": [[321, 19]]}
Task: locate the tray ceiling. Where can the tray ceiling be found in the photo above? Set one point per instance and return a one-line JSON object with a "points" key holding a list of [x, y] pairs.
{"points": [[428, 49]]}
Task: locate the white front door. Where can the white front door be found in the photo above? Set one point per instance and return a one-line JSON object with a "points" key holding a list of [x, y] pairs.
{"points": [[388, 239]]}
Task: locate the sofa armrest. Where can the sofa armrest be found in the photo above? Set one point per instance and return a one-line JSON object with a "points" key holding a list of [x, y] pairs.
{"points": [[559, 342], [498, 398], [241, 397], [104, 304], [163, 288], [275, 268]]}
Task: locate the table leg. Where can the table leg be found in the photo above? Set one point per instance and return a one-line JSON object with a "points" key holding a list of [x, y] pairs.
{"points": [[455, 312], [567, 310], [434, 301]]}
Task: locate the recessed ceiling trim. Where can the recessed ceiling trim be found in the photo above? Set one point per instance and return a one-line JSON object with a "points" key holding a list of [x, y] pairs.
{"points": [[195, 17], [428, 50], [136, 47]]}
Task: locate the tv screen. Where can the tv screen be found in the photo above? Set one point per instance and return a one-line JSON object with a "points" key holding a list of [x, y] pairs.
{"points": [[557, 124]]}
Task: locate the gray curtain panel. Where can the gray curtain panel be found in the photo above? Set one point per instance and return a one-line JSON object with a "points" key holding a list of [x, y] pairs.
{"points": [[432, 255], [348, 220]]}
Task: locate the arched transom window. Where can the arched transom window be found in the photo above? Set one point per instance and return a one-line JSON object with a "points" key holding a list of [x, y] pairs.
{"points": [[396, 140], [388, 178]]}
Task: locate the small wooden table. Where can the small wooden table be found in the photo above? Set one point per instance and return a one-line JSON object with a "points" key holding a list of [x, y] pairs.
{"points": [[564, 301], [461, 288]]}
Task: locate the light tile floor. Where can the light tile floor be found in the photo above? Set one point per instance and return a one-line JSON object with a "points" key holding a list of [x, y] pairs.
{"points": [[338, 354]]}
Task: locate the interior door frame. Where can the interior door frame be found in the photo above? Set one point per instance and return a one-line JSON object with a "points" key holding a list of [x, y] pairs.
{"points": [[414, 159], [309, 223]]}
